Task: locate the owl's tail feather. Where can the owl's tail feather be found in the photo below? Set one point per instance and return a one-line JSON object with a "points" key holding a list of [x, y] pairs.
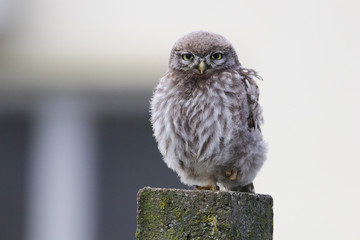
{"points": [[247, 188]]}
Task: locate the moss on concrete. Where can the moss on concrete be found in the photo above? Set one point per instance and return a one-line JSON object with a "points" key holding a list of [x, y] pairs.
{"points": [[174, 214]]}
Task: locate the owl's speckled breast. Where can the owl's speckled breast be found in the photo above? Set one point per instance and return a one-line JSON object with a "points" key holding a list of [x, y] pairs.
{"points": [[205, 118], [200, 126]]}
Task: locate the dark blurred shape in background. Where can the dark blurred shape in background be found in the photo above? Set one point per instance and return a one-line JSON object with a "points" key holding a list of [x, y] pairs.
{"points": [[75, 138], [71, 164]]}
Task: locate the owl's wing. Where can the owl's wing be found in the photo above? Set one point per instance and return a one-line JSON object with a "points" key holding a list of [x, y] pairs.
{"points": [[255, 113]]}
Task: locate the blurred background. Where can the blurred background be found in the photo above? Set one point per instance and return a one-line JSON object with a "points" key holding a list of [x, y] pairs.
{"points": [[76, 77]]}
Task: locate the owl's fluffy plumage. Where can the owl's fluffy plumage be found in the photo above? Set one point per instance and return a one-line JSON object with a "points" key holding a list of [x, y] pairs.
{"points": [[206, 120]]}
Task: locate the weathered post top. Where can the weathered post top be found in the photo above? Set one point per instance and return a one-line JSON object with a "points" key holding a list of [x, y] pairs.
{"points": [[185, 214]]}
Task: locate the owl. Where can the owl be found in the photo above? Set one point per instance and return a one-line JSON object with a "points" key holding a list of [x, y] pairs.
{"points": [[206, 116]]}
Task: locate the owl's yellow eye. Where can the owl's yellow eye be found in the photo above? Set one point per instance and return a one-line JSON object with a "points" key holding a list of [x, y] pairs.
{"points": [[188, 56], [217, 56]]}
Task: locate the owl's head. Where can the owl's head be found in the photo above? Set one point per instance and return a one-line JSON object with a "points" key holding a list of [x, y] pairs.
{"points": [[202, 53]]}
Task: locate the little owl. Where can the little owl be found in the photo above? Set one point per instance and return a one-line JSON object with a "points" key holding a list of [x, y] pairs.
{"points": [[206, 116]]}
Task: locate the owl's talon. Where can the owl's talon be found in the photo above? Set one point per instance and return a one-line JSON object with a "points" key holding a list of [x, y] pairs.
{"points": [[232, 174]]}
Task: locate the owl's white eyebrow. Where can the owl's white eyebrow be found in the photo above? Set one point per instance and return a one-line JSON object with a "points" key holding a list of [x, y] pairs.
{"points": [[185, 53]]}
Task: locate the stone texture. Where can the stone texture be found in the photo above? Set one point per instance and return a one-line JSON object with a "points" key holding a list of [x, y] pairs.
{"points": [[175, 214]]}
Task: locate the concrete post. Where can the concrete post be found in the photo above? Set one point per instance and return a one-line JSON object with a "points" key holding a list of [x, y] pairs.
{"points": [[184, 214]]}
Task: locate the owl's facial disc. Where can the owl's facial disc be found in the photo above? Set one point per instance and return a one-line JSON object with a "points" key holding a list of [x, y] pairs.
{"points": [[201, 64]]}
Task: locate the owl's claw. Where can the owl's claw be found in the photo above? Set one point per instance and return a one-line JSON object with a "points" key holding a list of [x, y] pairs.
{"points": [[210, 187], [232, 174]]}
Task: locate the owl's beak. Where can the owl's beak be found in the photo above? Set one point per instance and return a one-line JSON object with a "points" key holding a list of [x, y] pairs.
{"points": [[202, 67]]}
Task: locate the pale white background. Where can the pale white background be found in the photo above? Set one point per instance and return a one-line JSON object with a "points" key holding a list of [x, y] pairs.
{"points": [[308, 53]]}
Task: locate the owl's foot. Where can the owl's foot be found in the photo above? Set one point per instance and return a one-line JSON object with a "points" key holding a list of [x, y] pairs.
{"points": [[247, 188], [231, 174], [210, 187]]}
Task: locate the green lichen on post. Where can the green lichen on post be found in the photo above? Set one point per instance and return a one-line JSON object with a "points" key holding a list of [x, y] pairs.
{"points": [[183, 214]]}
